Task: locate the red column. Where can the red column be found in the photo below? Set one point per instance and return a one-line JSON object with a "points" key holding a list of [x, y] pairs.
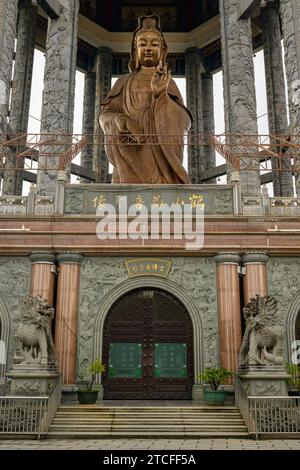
{"points": [[42, 275], [255, 279], [229, 309], [66, 315]]}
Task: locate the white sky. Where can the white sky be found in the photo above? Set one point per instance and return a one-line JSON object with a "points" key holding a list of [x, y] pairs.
{"points": [[37, 90]]}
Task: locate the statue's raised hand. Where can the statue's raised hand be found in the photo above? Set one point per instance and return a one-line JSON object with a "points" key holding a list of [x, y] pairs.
{"points": [[128, 126], [160, 81]]}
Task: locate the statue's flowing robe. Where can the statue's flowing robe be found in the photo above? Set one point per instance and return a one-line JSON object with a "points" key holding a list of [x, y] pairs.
{"points": [[165, 117]]}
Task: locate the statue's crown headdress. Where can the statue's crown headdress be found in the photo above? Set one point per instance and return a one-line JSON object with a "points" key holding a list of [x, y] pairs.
{"points": [[149, 23]]}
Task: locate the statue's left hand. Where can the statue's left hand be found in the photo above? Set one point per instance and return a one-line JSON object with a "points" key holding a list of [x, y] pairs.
{"points": [[160, 81]]}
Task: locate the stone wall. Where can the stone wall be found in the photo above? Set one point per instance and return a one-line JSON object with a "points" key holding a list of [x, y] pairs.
{"points": [[284, 285], [195, 277], [14, 286]]}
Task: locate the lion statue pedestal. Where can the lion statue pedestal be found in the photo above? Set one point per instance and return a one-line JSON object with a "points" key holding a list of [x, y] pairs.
{"points": [[34, 371]]}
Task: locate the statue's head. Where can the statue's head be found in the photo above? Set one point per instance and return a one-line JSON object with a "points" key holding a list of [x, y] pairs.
{"points": [[148, 48]]}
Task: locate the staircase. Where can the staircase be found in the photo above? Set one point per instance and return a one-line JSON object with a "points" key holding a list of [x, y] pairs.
{"points": [[92, 421]]}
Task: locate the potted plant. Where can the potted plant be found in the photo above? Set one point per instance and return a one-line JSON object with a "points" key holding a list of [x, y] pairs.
{"points": [[293, 381], [214, 377], [88, 391]]}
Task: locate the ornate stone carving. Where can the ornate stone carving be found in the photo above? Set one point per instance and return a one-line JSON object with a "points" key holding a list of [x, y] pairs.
{"points": [[290, 13], [223, 200], [263, 333], [34, 343], [59, 90], [74, 201], [239, 85], [196, 276]]}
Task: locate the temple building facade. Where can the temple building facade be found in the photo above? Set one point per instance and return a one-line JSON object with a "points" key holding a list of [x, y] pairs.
{"points": [[155, 310]]}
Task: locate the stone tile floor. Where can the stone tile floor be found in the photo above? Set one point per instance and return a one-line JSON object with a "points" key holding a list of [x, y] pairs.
{"points": [[150, 444]]}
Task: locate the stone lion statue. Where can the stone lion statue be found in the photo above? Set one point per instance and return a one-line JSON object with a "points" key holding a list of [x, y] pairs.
{"points": [[263, 334], [34, 343]]}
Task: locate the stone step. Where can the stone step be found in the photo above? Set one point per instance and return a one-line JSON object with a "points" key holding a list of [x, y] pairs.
{"points": [[143, 429], [71, 408], [159, 434], [89, 421], [147, 421]]}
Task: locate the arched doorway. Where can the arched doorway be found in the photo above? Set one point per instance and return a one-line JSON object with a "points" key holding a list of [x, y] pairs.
{"points": [[297, 327], [148, 345]]}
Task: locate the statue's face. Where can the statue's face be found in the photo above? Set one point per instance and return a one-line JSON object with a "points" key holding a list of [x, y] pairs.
{"points": [[148, 45]]}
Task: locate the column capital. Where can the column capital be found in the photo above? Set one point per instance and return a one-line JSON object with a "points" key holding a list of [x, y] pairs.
{"points": [[227, 258], [255, 257], [90, 74], [104, 51], [206, 76], [193, 50], [69, 257], [42, 257]]}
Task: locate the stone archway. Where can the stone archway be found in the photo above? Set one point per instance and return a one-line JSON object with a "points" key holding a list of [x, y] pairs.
{"points": [[161, 284]]}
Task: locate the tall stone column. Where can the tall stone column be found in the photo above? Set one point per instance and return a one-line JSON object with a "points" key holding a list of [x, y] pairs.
{"points": [[255, 280], [59, 91], [239, 90], [282, 181], [21, 90], [66, 315], [193, 69], [209, 156], [88, 121], [290, 16], [229, 309], [103, 67], [42, 275], [8, 24]]}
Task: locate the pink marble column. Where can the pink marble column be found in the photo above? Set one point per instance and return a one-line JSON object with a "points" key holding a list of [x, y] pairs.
{"points": [[229, 309], [42, 275], [66, 315], [255, 279]]}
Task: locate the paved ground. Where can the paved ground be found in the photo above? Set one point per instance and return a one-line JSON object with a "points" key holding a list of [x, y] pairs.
{"points": [[151, 444]]}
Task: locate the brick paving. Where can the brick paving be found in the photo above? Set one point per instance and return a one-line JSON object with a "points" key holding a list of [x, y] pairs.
{"points": [[150, 444]]}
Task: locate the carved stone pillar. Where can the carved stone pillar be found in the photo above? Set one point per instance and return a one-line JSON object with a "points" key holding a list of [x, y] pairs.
{"points": [[282, 181], [239, 89], [209, 156], [8, 23], [193, 68], [229, 309], [59, 90], [66, 315], [255, 280], [88, 121], [42, 276], [290, 16], [103, 68], [21, 89]]}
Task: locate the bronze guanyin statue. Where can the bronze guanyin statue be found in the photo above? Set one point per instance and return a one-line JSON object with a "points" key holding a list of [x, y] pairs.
{"points": [[146, 102]]}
